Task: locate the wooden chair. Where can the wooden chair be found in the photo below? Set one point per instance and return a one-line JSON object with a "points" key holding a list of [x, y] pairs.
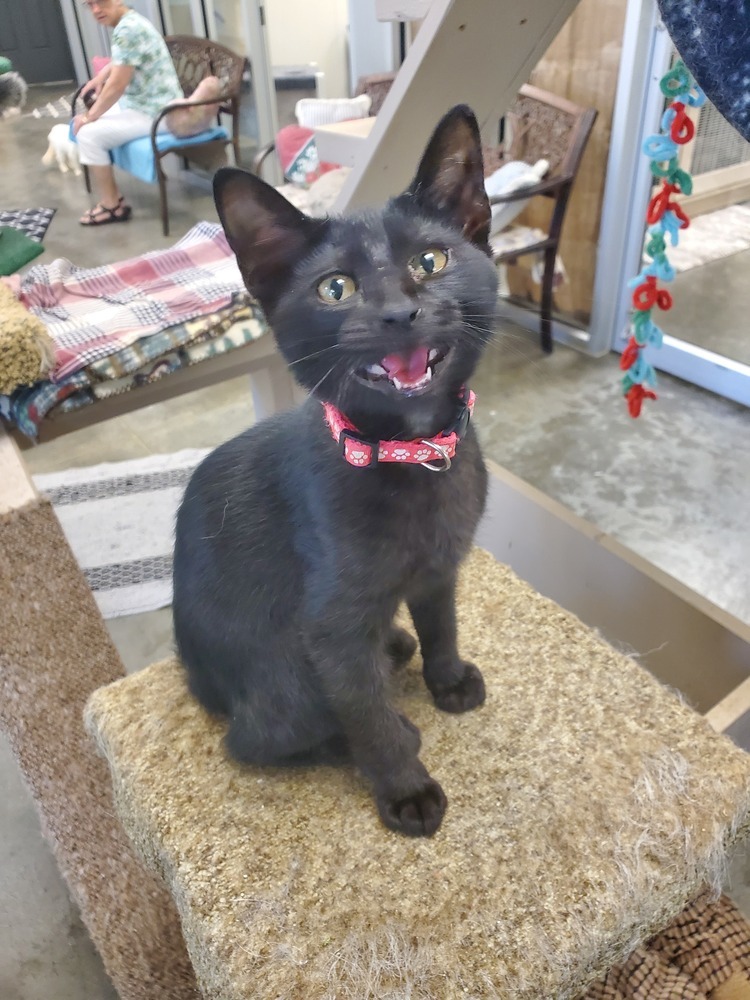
{"points": [[194, 59], [543, 126]]}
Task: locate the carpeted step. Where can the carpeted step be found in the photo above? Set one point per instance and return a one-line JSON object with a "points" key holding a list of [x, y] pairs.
{"points": [[587, 806]]}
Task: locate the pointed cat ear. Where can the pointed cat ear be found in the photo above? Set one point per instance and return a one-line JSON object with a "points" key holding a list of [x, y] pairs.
{"points": [[267, 233], [450, 178]]}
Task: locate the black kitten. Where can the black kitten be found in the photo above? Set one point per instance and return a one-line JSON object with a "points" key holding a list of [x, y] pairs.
{"points": [[291, 561]]}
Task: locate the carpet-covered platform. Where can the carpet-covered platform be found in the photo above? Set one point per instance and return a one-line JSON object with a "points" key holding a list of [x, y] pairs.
{"points": [[588, 805]]}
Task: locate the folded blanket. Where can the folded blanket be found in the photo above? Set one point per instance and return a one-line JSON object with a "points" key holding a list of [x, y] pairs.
{"points": [[145, 361], [134, 357], [26, 349], [94, 312]]}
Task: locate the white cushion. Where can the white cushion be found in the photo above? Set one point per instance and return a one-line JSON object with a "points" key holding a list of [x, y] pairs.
{"points": [[313, 111], [511, 177]]}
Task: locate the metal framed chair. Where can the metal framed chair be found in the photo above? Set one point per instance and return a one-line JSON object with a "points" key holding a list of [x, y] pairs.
{"points": [[542, 125], [194, 59]]}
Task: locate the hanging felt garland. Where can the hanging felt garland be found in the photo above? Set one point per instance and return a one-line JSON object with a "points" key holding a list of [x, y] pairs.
{"points": [[665, 219]]}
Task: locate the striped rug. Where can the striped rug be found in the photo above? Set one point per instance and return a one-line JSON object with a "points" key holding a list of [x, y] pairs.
{"points": [[118, 519]]}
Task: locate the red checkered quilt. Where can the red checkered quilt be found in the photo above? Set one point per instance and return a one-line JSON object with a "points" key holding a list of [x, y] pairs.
{"points": [[93, 312]]}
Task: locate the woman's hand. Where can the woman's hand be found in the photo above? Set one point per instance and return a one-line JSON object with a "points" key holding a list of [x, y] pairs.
{"points": [[79, 121], [88, 87]]}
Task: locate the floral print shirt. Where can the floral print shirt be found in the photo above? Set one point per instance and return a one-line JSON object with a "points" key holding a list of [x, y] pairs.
{"points": [[137, 43]]}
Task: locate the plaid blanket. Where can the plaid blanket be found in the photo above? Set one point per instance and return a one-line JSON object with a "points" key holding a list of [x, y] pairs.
{"points": [[144, 361], [94, 312]]}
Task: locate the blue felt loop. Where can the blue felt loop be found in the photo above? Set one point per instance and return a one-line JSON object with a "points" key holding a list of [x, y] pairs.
{"points": [[642, 372], [654, 334], [645, 331], [660, 148], [670, 225], [638, 279], [696, 99], [667, 118], [661, 267]]}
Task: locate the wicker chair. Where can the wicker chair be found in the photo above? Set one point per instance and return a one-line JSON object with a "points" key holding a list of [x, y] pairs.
{"points": [[543, 126], [194, 59]]}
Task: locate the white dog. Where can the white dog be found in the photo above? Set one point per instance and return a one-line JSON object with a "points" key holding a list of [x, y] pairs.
{"points": [[62, 151]]}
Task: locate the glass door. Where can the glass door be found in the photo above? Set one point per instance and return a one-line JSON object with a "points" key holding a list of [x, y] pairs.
{"points": [[707, 337]]}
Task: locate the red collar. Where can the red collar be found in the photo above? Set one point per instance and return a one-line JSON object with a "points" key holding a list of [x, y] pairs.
{"points": [[424, 451]]}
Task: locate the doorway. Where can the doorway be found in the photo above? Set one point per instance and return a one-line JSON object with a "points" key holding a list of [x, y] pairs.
{"points": [[706, 341], [35, 40]]}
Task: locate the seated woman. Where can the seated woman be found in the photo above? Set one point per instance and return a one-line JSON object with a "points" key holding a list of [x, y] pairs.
{"points": [[128, 92]]}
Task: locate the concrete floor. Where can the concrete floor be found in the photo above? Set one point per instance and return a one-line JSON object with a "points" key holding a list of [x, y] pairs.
{"points": [[711, 305], [674, 486]]}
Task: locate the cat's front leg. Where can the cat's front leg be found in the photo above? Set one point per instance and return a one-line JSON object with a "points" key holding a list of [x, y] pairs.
{"points": [[384, 744], [455, 684]]}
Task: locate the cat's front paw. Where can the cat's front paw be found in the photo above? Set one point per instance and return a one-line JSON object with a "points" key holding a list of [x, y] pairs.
{"points": [[462, 696], [417, 815]]}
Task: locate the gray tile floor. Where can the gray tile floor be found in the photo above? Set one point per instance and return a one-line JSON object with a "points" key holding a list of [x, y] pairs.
{"points": [[674, 486]]}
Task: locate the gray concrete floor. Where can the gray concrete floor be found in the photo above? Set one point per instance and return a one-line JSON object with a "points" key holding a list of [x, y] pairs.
{"points": [[711, 305], [674, 486]]}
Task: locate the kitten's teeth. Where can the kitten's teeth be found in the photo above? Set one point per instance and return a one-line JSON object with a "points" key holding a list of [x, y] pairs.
{"points": [[376, 370], [412, 386], [433, 354]]}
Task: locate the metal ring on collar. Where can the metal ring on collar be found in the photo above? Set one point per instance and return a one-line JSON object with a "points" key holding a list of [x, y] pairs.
{"points": [[442, 451]]}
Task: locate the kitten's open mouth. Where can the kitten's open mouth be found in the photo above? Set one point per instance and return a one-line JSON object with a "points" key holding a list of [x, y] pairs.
{"points": [[407, 373]]}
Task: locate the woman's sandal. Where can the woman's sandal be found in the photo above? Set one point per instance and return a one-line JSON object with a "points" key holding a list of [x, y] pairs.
{"points": [[100, 215]]}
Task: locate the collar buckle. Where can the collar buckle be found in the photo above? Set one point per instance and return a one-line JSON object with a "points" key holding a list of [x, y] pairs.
{"points": [[355, 449]]}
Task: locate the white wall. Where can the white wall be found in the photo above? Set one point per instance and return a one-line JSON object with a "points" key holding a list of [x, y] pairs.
{"points": [[372, 43], [302, 32]]}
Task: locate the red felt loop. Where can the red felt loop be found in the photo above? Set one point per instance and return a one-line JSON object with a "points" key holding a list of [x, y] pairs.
{"points": [[660, 203], [682, 128], [629, 355], [647, 295], [635, 396], [674, 207]]}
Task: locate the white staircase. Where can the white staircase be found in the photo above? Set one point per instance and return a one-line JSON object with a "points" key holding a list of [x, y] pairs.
{"points": [[475, 52]]}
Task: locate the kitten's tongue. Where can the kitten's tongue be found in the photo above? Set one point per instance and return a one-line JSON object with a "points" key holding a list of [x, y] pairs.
{"points": [[407, 368]]}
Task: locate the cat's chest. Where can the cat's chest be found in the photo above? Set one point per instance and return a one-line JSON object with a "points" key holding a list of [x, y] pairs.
{"points": [[400, 525]]}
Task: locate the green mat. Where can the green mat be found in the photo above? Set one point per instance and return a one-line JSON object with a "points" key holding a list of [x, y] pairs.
{"points": [[16, 250]]}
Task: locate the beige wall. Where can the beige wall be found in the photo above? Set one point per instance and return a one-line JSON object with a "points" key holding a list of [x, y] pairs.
{"points": [[300, 32]]}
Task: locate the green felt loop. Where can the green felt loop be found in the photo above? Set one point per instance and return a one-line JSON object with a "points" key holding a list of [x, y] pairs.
{"points": [[676, 81]]}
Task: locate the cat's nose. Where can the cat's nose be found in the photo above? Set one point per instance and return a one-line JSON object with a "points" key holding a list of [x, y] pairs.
{"points": [[400, 315]]}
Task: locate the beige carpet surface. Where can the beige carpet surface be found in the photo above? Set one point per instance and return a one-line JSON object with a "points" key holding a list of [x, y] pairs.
{"points": [[587, 806]]}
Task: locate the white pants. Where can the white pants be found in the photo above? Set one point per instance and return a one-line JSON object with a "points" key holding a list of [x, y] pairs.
{"points": [[115, 127]]}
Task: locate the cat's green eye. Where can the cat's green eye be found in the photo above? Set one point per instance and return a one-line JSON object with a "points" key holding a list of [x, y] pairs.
{"points": [[336, 288], [427, 263]]}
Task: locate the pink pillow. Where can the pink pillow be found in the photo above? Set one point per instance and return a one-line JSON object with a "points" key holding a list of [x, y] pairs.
{"points": [[298, 155]]}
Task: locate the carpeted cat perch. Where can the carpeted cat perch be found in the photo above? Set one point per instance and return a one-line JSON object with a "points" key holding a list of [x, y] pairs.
{"points": [[588, 806], [54, 651]]}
